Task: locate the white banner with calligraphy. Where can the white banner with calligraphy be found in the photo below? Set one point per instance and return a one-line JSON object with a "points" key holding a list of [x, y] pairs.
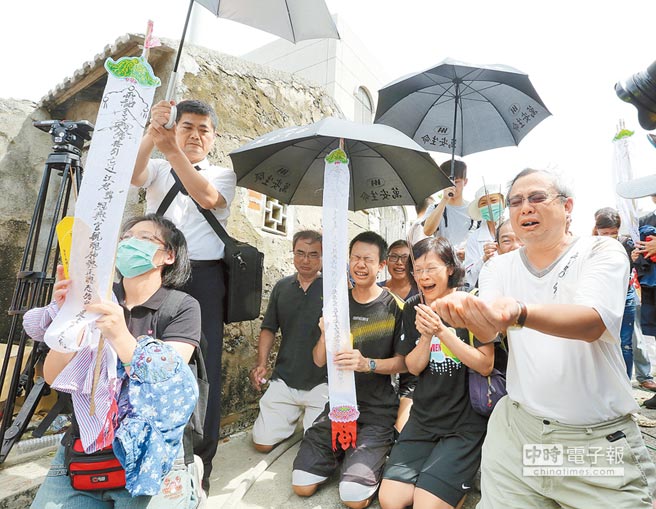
{"points": [[122, 117], [341, 383], [622, 172]]}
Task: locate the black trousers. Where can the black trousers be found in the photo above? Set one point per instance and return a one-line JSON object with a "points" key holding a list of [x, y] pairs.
{"points": [[207, 286]]}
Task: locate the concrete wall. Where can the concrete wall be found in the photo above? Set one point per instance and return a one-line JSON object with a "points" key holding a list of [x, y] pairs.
{"points": [[23, 150]]}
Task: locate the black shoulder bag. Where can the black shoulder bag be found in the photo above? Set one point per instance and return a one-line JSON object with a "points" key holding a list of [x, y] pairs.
{"points": [[244, 265]]}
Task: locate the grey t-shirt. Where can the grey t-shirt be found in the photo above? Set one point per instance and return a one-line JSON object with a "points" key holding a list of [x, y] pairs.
{"points": [[455, 224], [296, 313]]}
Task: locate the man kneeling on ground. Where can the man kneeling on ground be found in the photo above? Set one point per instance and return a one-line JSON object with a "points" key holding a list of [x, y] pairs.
{"points": [[377, 333], [298, 387]]}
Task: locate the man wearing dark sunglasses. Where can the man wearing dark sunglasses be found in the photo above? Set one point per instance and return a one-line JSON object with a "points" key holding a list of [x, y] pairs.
{"points": [[560, 299]]}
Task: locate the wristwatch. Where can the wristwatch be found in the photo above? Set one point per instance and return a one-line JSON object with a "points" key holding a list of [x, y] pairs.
{"points": [[521, 318], [372, 365]]}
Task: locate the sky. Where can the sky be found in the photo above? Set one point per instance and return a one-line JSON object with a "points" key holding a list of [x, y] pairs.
{"points": [[573, 50]]}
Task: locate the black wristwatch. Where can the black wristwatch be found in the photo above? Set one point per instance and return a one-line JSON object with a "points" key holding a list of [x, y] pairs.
{"points": [[372, 365]]}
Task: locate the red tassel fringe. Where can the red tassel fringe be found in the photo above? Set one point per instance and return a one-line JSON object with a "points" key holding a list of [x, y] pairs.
{"points": [[344, 432]]}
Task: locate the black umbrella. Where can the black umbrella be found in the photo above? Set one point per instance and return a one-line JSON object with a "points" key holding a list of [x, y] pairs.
{"points": [[387, 168], [461, 109]]}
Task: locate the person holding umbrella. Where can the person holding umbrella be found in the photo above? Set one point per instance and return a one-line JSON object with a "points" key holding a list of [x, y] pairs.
{"points": [[450, 219], [185, 147]]}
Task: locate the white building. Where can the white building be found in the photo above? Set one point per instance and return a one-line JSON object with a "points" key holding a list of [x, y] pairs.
{"points": [[352, 76]]}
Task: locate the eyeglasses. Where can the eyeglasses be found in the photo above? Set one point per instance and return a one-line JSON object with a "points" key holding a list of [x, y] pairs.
{"points": [[393, 258], [366, 260], [310, 256], [149, 237], [533, 198], [428, 270]]}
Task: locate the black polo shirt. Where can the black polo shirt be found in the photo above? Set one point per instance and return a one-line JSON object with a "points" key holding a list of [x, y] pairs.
{"points": [[296, 313], [184, 325]]}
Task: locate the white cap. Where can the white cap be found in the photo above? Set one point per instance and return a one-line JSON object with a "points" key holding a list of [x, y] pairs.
{"points": [[473, 209]]}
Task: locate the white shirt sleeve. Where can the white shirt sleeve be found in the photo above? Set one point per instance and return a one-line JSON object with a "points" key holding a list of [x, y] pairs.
{"points": [[473, 260], [490, 280], [225, 183], [603, 283], [416, 232], [153, 170]]}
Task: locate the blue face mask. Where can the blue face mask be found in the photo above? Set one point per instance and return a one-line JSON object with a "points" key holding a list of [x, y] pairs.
{"points": [[135, 257], [497, 211]]}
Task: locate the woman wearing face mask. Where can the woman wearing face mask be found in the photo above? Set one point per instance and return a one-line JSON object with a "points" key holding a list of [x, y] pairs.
{"points": [[487, 207], [438, 453], [153, 330]]}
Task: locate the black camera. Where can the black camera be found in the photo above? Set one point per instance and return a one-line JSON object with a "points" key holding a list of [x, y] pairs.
{"points": [[640, 91], [67, 135]]}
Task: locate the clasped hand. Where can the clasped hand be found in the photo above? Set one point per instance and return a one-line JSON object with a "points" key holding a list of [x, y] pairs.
{"points": [[427, 321], [462, 309]]}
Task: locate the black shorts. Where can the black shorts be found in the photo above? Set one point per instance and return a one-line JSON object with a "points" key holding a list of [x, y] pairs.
{"points": [[444, 465], [362, 465]]}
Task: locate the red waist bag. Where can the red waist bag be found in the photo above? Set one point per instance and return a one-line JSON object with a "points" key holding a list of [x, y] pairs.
{"points": [[100, 470]]}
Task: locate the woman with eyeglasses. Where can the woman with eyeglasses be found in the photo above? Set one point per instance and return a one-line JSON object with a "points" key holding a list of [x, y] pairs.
{"points": [[438, 453], [143, 400], [400, 282], [402, 285]]}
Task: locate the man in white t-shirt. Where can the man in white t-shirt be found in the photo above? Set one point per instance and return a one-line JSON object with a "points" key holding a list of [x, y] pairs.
{"points": [[450, 218], [564, 436], [185, 147]]}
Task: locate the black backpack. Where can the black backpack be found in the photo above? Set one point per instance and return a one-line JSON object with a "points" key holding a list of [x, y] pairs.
{"points": [[193, 433]]}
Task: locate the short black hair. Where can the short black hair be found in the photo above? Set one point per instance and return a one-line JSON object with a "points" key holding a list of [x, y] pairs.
{"points": [[370, 237], [311, 235], [444, 250], [197, 108], [607, 217], [459, 168], [178, 273], [424, 204], [398, 243]]}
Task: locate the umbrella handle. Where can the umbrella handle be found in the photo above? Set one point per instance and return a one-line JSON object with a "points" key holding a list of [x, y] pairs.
{"points": [[168, 97], [171, 122]]}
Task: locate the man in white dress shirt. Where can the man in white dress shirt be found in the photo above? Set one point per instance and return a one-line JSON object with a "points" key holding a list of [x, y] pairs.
{"points": [[185, 147]]}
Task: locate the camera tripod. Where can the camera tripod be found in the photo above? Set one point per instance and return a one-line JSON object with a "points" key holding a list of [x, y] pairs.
{"points": [[35, 279]]}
